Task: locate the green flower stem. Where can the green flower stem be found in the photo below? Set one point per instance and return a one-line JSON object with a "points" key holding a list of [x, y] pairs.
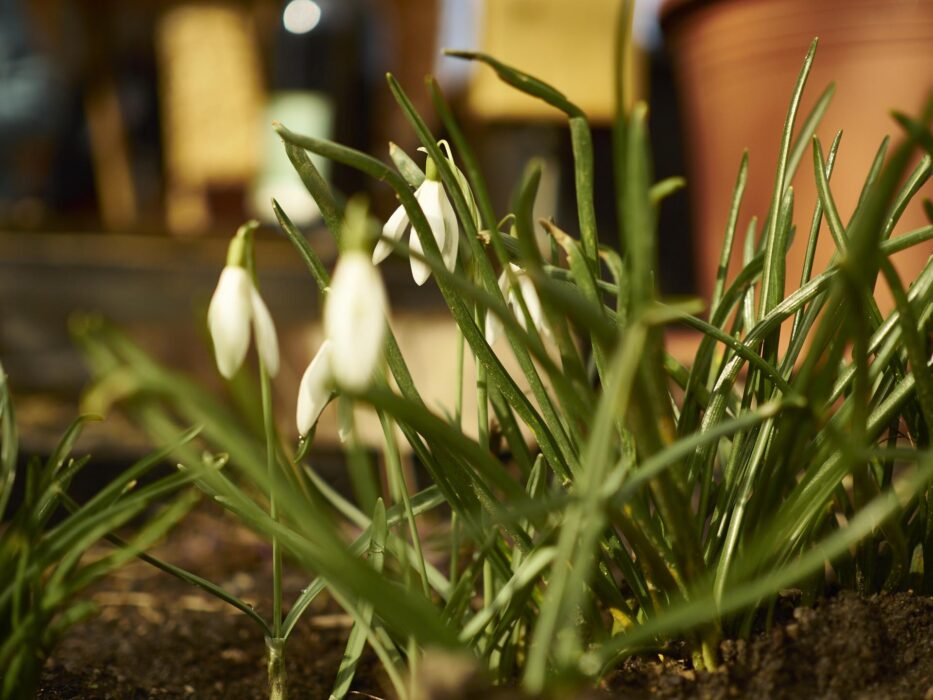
{"points": [[275, 668], [271, 438], [275, 645], [394, 464]]}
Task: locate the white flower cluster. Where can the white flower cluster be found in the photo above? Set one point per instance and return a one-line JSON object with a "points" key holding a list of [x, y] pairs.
{"points": [[355, 308], [354, 329]]}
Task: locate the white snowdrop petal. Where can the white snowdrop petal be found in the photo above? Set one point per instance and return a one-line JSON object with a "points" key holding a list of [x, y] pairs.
{"points": [[228, 319], [504, 280], [451, 233], [532, 301], [493, 327], [429, 199], [420, 272], [267, 342], [345, 420], [314, 390], [517, 310], [354, 320], [394, 228]]}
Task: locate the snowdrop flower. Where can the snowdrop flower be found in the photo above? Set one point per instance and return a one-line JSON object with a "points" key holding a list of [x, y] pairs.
{"points": [[441, 217], [354, 325], [315, 389], [355, 320], [529, 294], [234, 308]]}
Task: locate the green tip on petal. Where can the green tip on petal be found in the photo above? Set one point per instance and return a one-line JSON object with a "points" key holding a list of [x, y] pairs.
{"points": [[430, 170], [241, 247], [356, 229]]}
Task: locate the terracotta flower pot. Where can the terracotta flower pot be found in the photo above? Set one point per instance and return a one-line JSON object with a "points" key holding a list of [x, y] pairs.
{"points": [[736, 63]]}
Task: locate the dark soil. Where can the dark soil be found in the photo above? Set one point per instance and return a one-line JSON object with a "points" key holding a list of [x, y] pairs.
{"points": [[157, 637], [876, 648]]}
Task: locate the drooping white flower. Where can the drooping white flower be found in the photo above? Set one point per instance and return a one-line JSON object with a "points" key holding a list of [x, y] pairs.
{"points": [[234, 308], [441, 218], [315, 389], [533, 303], [393, 229], [355, 320], [443, 222]]}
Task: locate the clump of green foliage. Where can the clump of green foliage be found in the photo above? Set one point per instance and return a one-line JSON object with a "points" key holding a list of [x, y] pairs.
{"points": [[658, 502], [45, 540]]}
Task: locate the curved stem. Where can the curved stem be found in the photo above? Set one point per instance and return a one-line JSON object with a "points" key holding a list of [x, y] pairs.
{"points": [[269, 427]]}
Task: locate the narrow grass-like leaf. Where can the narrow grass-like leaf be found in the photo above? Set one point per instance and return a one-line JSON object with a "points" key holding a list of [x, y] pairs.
{"points": [[836, 227], [317, 187], [357, 640], [773, 250], [807, 129], [526, 575], [917, 350], [472, 333], [581, 140], [582, 524], [917, 179], [467, 325], [406, 167], [665, 188], [703, 608], [728, 241], [310, 258]]}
